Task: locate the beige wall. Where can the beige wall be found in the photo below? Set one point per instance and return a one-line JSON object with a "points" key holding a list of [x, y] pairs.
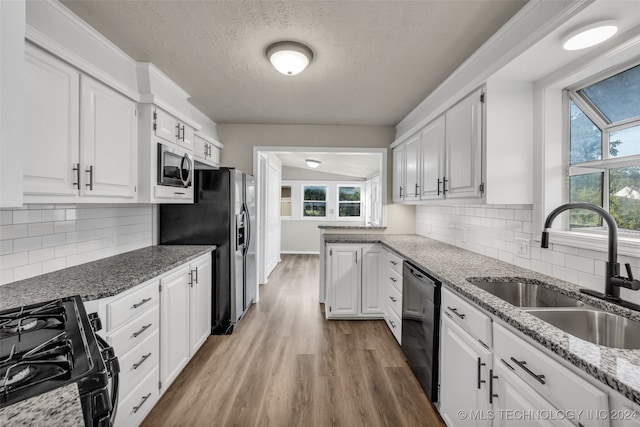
{"points": [[239, 140]]}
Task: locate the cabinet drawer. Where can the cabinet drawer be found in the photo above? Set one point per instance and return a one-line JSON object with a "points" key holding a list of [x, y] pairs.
{"points": [[468, 317], [133, 408], [167, 192], [138, 362], [395, 262], [395, 279], [394, 324], [394, 300], [132, 305], [135, 331], [563, 388]]}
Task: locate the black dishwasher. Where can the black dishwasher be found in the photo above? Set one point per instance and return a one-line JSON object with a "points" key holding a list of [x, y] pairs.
{"points": [[420, 326]]}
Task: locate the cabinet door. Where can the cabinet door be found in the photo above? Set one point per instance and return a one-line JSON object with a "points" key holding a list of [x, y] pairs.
{"points": [[345, 280], [373, 292], [397, 178], [412, 168], [165, 126], [51, 125], [174, 324], [109, 141], [432, 156], [464, 377], [514, 397], [200, 304], [464, 148], [187, 134]]}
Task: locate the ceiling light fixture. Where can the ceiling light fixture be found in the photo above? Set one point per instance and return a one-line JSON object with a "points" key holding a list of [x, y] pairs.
{"points": [[590, 35], [288, 57], [313, 163]]}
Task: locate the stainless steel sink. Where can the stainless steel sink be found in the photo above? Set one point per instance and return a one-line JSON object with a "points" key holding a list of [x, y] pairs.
{"points": [[527, 294], [598, 327]]}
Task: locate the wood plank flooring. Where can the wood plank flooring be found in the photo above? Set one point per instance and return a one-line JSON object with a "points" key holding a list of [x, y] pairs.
{"points": [[285, 365]]}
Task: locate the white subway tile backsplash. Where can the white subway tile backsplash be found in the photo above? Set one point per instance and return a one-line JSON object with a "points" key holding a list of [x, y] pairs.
{"points": [[566, 274], [37, 239], [28, 216], [585, 265]]}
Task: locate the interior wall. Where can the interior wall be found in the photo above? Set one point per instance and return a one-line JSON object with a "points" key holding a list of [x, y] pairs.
{"points": [[239, 140]]}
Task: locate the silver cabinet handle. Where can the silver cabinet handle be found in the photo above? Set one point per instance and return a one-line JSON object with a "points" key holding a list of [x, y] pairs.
{"points": [[76, 169], [455, 311], [178, 130], [417, 186], [144, 359], [90, 172], [401, 191], [439, 182], [393, 262], [393, 279], [491, 393], [444, 185], [144, 399], [196, 279], [392, 299], [480, 365], [143, 302], [144, 328], [393, 325], [522, 363]]}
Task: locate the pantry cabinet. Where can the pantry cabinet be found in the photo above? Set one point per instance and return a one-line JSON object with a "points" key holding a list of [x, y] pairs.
{"points": [[354, 281], [80, 136]]}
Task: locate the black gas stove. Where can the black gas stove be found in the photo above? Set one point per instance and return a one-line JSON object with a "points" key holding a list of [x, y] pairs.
{"points": [[48, 345]]}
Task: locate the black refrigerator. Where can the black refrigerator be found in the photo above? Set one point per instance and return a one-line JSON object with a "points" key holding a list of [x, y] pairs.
{"points": [[223, 214]]}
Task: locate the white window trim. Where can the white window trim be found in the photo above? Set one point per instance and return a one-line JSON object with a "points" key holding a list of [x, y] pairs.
{"points": [[362, 202], [302, 201], [297, 202], [551, 154]]}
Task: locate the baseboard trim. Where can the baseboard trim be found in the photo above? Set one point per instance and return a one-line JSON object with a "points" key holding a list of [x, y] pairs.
{"points": [[300, 252]]}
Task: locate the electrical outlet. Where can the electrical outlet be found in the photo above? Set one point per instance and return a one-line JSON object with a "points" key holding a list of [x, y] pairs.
{"points": [[523, 246]]}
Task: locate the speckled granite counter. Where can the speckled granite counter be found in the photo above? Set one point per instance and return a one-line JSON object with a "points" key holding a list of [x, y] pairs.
{"points": [[59, 407], [619, 369], [100, 279], [352, 227]]}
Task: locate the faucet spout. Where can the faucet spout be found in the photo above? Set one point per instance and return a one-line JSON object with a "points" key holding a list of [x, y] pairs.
{"points": [[612, 290]]}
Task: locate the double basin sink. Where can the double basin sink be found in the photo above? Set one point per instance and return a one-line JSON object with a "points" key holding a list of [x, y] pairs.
{"points": [[567, 313]]}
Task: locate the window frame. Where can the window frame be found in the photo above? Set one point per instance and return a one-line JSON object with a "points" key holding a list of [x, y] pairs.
{"points": [[607, 163], [338, 202], [303, 201]]}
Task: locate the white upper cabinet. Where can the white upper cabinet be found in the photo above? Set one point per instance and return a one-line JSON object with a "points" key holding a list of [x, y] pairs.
{"points": [[397, 178], [51, 126], [463, 148], [171, 129], [432, 158], [206, 151], [109, 141], [411, 168], [80, 136]]}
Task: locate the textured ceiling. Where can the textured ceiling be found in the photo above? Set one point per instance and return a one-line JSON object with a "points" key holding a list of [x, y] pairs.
{"points": [[375, 60]]}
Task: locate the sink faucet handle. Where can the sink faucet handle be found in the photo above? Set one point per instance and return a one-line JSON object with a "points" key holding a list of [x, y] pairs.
{"points": [[629, 273]]}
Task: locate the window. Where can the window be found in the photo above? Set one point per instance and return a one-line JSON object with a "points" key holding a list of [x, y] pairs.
{"points": [[314, 201], [604, 150], [285, 201], [349, 201]]}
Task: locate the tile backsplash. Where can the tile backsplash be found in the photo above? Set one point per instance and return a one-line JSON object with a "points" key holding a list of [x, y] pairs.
{"points": [[497, 230], [38, 239]]}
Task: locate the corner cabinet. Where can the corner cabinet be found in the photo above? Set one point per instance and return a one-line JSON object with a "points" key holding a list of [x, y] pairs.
{"points": [[80, 136], [354, 281]]}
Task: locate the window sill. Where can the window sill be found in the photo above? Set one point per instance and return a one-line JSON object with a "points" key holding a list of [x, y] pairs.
{"points": [[596, 242]]}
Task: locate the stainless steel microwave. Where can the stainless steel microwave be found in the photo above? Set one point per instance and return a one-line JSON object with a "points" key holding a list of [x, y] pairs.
{"points": [[175, 166]]}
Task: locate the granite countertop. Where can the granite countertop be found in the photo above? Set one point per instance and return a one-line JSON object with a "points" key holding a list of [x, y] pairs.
{"points": [[616, 368], [59, 407], [102, 278], [352, 227]]}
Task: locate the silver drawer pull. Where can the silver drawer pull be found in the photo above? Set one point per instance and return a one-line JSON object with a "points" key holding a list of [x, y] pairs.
{"points": [[144, 301], [144, 328], [393, 262], [522, 363], [393, 279], [144, 358], [393, 325], [455, 311], [392, 299], [144, 399]]}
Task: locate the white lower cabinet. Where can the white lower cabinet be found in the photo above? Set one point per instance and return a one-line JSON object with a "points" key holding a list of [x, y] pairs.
{"points": [[185, 310], [137, 404], [490, 376], [354, 281], [465, 366], [393, 297]]}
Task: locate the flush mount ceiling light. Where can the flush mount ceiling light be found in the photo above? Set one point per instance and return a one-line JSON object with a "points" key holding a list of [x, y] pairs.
{"points": [[288, 57], [313, 163], [590, 35]]}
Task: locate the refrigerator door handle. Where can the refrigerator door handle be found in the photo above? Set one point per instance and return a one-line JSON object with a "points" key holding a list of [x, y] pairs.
{"points": [[247, 240]]}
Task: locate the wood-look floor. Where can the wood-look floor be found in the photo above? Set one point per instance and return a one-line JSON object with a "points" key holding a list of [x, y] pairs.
{"points": [[285, 365]]}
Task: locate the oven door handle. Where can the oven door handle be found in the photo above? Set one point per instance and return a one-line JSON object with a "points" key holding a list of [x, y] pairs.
{"points": [[186, 181], [113, 367]]}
